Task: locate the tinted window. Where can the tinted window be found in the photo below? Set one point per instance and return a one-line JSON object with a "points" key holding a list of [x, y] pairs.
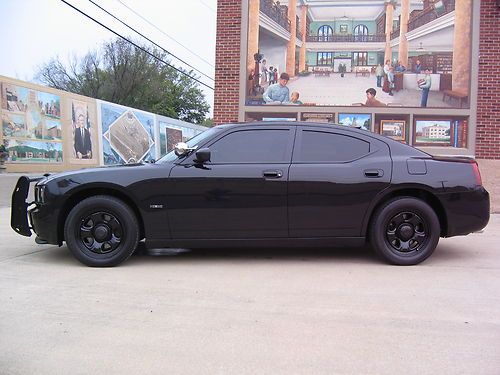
{"points": [[328, 147], [251, 146]]}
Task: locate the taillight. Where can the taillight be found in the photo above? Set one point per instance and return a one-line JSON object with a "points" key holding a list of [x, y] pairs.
{"points": [[477, 174]]}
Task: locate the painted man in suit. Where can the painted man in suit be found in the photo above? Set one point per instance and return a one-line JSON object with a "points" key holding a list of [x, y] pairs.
{"points": [[83, 145]]}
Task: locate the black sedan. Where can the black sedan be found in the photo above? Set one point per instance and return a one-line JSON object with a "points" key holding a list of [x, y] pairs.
{"points": [[261, 184]]}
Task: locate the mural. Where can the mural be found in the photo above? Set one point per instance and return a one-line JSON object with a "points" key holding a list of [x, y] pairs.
{"points": [[170, 134], [82, 131], [31, 125], [356, 120], [320, 52], [40, 127], [433, 132], [33, 151], [127, 135]]}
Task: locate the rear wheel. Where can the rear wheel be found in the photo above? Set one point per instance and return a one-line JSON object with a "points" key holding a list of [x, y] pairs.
{"points": [[101, 231], [405, 231]]}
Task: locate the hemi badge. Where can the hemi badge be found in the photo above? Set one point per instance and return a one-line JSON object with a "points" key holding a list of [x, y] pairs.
{"points": [[156, 206]]}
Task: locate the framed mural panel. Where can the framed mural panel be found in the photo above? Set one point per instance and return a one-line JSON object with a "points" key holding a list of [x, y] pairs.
{"points": [[127, 134], [432, 132], [395, 129], [31, 125], [83, 133], [318, 117], [356, 120]]}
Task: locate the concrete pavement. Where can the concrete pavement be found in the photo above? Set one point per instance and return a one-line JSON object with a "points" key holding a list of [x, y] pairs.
{"points": [[300, 311]]}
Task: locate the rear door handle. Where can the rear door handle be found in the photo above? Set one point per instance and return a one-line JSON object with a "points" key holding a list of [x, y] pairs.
{"points": [[273, 174], [374, 173]]}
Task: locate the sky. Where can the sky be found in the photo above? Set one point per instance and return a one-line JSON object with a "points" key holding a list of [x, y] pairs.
{"points": [[34, 31]]}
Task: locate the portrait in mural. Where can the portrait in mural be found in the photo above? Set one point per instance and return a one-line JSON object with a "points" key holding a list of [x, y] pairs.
{"points": [[415, 53], [128, 135], [31, 121], [82, 130]]}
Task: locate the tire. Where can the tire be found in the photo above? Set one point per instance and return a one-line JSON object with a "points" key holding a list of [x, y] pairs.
{"points": [[101, 231], [405, 231]]}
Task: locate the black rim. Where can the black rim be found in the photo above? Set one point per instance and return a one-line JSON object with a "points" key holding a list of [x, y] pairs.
{"points": [[101, 232], [406, 233]]}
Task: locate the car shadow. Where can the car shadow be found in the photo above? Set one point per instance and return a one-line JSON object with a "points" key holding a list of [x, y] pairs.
{"points": [[353, 254], [445, 254]]}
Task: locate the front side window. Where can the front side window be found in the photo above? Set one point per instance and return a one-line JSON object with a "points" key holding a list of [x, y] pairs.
{"points": [[252, 146], [325, 147]]}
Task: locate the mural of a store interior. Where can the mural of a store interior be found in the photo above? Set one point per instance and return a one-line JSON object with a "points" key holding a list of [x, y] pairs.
{"points": [[413, 53]]}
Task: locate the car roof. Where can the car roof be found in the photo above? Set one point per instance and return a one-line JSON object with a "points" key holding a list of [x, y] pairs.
{"points": [[396, 146]]}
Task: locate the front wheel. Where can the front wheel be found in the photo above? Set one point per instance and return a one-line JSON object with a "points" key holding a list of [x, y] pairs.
{"points": [[101, 231], [405, 231]]}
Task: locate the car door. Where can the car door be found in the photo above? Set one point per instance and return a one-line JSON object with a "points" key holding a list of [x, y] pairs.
{"points": [[240, 193], [333, 177]]}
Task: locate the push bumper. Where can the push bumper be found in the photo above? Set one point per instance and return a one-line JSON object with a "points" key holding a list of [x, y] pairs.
{"points": [[19, 207]]}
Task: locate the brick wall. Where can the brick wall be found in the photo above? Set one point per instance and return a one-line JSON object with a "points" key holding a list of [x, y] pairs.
{"points": [[488, 109], [227, 61]]}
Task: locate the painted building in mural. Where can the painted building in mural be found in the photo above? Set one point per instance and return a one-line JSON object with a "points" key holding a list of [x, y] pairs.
{"points": [[51, 130]]}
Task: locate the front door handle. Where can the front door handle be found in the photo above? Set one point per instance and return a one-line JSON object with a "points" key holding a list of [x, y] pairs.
{"points": [[273, 174], [373, 173]]}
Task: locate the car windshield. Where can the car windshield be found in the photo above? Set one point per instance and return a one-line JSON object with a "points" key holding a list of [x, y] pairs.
{"points": [[192, 143]]}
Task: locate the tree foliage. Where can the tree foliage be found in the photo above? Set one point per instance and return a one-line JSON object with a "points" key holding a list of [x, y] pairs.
{"points": [[124, 74]]}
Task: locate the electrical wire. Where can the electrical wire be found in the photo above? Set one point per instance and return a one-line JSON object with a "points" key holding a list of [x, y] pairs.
{"points": [[164, 33], [136, 45], [149, 40]]}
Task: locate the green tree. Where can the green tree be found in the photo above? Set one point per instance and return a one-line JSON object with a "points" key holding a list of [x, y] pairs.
{"points": [[121, 73]]}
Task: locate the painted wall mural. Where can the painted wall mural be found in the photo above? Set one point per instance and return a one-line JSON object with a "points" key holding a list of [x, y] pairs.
{"points": [[170, 134], [127, 134], [31, 125], [83, 131], [324, 53]]}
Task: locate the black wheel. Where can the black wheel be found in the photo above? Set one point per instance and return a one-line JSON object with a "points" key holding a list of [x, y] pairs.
{"points": [[101, 231], [405, 231]]}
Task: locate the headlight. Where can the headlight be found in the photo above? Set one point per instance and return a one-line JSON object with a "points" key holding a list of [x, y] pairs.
{"points": [[40, 194]]}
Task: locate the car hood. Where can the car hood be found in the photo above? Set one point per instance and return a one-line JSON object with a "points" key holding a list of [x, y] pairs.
{"points": [[107, 173]]}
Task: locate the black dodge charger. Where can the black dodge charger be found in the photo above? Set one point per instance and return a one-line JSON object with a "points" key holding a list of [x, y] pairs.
{"points": [[261, 184]]}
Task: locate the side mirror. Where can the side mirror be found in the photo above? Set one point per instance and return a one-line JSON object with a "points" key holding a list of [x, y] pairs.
{"points": [[182, 149], [202, 155]]}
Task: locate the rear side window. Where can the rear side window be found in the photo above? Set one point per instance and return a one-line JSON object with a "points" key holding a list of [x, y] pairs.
{"points": [[327, 147], [252, 146]]}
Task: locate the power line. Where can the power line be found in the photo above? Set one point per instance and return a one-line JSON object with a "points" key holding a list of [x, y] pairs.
{"points": [[164, 33], [149, 40], [137, 46], [207, 6]]}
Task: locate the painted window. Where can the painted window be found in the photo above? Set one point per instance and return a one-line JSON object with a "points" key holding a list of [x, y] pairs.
{"points": [[324, 32], [360, 33], [325, 58], [360, 58]]}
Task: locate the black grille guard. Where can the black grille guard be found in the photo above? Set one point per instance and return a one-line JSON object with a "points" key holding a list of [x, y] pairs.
{"points": [[19, 207]]}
